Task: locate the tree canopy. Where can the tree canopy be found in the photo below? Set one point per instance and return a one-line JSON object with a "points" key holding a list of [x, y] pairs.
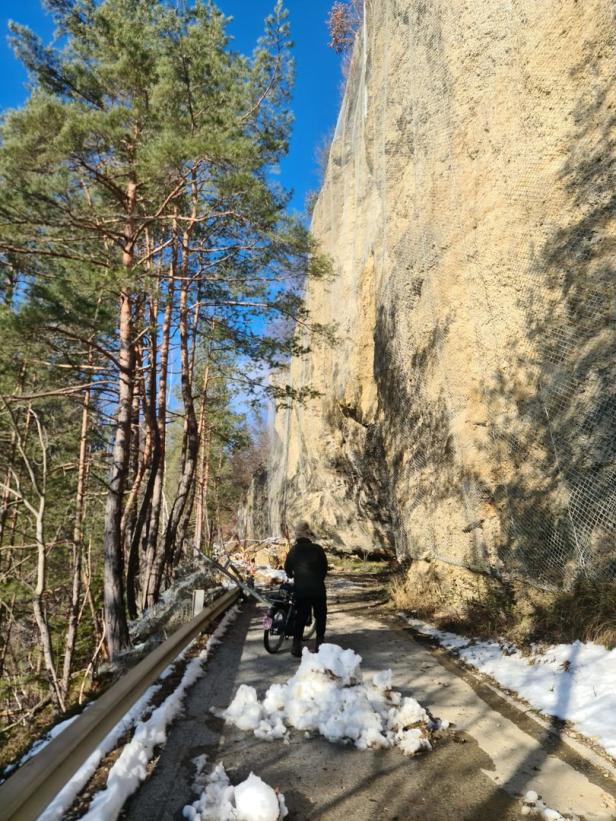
{"points": [[143, 233]]}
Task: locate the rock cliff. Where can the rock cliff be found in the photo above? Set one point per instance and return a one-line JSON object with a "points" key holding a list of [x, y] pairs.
{"points": [[469, 208]]}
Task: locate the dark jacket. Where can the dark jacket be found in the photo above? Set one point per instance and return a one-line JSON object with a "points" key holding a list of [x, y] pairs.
{"points": [[306, 563]]}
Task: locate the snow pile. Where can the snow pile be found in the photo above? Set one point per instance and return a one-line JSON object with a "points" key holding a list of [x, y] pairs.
{"points": [[328, 695], [533, 805], [573, 682], [252, 800], [130, 769], [199, 782]]}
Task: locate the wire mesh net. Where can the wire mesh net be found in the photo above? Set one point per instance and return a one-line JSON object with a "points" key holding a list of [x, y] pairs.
{"points": [[474, 167]]}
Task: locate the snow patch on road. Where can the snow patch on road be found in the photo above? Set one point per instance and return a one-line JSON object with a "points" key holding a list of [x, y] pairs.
{"points": [[252, 800], [329, 695], [572, 682]]}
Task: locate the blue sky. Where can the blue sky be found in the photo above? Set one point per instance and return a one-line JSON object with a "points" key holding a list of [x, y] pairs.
{"points": [[317, 90], [317, 86]]}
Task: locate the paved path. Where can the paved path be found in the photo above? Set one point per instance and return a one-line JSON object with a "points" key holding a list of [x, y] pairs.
{"points": [[476, 772]]}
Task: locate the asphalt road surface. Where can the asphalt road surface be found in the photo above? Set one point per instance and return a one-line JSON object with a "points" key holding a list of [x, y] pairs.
{"points": [[477, 771]]}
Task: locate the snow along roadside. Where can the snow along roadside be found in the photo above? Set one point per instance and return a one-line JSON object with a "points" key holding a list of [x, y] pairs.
{"points": [[130, 768], [572, 682]]}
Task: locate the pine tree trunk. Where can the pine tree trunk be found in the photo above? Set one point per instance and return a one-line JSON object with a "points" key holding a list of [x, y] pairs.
{"points": [[151, 461], [38, 606], [138, 518], [113, 581], [182, 539], [136, 464], [73, 614], [113, 578], [191, 438], [217, 499], [202, 470], [152, 562]]}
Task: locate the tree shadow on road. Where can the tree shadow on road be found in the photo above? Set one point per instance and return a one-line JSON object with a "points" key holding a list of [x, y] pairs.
{"points": [[492, 799], [549, 743]]}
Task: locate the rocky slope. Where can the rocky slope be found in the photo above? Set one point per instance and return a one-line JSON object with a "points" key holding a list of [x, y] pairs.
{"points": [[467, 409]]}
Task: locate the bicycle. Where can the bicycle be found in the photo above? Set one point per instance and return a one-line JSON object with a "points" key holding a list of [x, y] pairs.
{"points": [[279, 623]]}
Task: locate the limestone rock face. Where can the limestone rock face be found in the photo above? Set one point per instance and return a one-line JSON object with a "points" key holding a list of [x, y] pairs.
{"points": [[469, 208], [253, 517]]}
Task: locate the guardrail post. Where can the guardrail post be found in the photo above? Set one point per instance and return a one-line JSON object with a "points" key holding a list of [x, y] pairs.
{"points": [[198, 601]]}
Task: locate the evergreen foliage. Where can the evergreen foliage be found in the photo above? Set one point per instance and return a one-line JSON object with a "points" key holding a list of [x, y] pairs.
{"points": [[141, 232]]}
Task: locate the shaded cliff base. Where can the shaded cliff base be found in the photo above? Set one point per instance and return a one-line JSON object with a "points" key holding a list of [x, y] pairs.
{"points": [[377, 556], [461, 600]]}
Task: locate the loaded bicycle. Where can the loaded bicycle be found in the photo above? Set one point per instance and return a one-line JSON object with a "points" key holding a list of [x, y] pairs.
{"points": [[279, 622]]}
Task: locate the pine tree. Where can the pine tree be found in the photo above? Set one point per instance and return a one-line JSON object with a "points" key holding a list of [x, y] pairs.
{"points": [[137, 200]]}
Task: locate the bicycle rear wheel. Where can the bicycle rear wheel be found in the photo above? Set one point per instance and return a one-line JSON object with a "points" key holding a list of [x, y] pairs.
{"points": [[273, 637]]}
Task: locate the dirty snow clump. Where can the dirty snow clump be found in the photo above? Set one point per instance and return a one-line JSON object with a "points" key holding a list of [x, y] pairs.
{"points": [[328, 695], [252, 800], [533, 805]]}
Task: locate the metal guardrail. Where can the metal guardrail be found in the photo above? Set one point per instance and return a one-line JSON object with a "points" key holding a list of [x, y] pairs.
{"points": [[33, 786]]}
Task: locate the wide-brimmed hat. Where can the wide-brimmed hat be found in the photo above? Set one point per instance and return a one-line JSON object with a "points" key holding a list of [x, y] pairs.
{"points": [[303, 530]]}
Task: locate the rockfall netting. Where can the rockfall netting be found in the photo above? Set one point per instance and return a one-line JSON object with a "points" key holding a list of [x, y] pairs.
{"points": [[471, 183]]}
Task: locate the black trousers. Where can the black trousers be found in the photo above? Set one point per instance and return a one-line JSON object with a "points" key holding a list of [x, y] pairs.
{"points": [[319, 609]]}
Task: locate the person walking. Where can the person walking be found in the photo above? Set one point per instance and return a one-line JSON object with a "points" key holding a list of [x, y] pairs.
{"points": [[306, 564]]}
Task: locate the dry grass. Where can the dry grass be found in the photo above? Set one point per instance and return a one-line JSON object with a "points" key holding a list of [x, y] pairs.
{"points": [[488, 608], [415, 595], [350, 563], [481, 609], [15, 742], [587, 612]]}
